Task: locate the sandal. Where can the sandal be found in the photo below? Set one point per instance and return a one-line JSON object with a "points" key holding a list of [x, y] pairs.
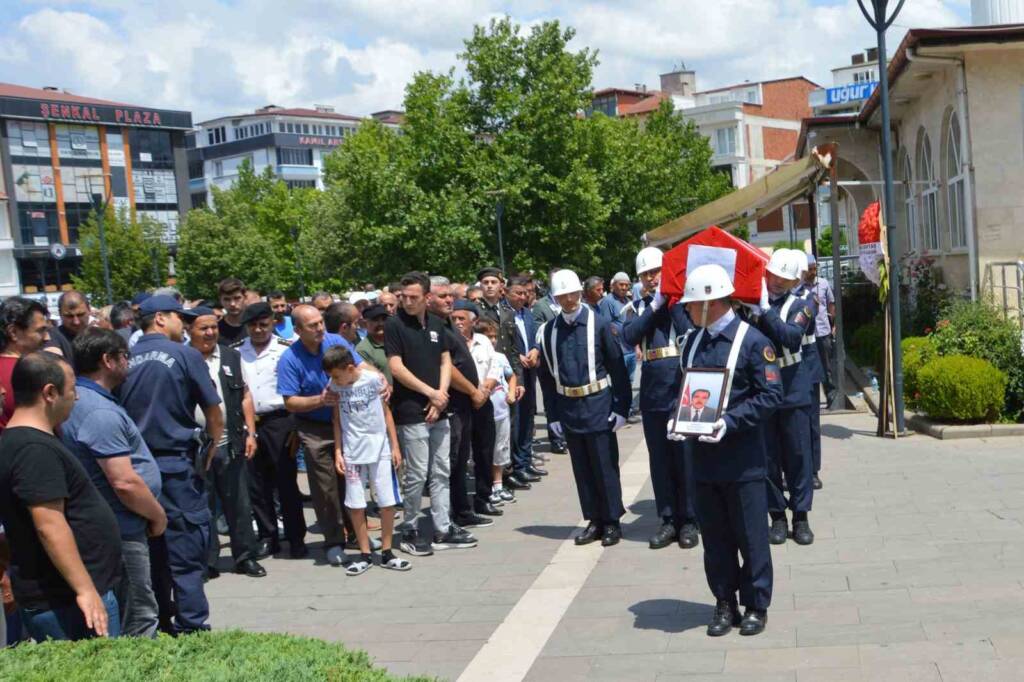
{"points": [[395, 563], [357, 567]]}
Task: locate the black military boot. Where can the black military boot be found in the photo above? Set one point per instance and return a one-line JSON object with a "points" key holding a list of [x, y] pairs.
{"points": [[802, 534], [664, 537], [779, 529], [727, 615], [753, 622]]}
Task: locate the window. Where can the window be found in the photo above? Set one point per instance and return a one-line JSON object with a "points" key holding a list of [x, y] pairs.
{"points": [[305, 129], [195, 169], [280, 127], [929, 193], [295, 157], [955, 192], [215, 135], [725, 141], [218, 168], [908, 200], [297, 184]]}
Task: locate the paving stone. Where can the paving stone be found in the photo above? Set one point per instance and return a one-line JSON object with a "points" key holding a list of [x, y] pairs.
{"points": [[794, 658], [822, 634]]}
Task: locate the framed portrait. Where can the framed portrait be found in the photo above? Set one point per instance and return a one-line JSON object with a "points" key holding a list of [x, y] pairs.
{"points": [[700, 401]]}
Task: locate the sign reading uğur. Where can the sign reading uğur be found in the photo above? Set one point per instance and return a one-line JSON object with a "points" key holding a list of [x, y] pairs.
{"points": [[111, 114]]}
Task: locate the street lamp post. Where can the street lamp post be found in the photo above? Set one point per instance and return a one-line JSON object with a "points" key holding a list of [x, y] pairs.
{"points": [[101, 211], [880, 20]]}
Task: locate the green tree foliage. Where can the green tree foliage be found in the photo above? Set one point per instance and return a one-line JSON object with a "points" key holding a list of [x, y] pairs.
{"points": [[135, 252], [825, 243]]}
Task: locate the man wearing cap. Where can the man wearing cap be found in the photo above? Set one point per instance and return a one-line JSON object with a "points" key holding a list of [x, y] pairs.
{"points": [[544, 310], [272, 469], [586, 395], [166, 382], [494, 307], [729, 463], [654, 327], [372, 345]]}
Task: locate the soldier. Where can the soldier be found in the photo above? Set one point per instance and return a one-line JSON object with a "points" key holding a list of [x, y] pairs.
{"points": [[586, 395], [815, 362], [729, 464], [655, 329]]}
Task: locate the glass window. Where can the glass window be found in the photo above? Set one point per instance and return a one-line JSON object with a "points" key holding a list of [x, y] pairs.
{"points": [[280, 127], [291, 128], [305, 129], [725, 141], [295, 157], [929, 193], [955, 187], [909, 199], [151, 148], [78, 142], [28, 139]]}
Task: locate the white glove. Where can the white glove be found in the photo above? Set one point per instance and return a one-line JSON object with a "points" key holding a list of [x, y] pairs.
{"points": [[659, 299], [616, 421], [764, 304], [717, 435], [754, 308], [672, 435], [556, 430]]}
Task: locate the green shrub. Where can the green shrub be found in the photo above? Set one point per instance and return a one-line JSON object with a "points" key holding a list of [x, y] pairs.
{"points": [[959, 388], [222, 655], [978, 330], [867, 345], [918, 351]]}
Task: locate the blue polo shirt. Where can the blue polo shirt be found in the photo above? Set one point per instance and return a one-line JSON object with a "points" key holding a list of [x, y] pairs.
{"points": [[284, 328], [300, 373], [166, 381], [99, 428]]}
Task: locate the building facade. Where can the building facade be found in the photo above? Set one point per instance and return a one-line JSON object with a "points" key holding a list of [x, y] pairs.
{"points": [[852, 84], [292, 142], [60, 154]]}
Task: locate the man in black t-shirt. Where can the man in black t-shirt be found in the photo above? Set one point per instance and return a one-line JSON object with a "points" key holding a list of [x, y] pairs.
{"points": [[65, 541], [231, 294]]}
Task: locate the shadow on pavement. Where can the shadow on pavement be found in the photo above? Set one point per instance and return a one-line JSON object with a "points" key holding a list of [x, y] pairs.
{"points": [[838, 432], [549, 532], [670, 615]]}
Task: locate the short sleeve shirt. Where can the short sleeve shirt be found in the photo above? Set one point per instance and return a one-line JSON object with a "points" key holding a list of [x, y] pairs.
{"points": [[300, 373], [823, 294], [374, 354], [420, 346], [166, 380], [364, 431]]}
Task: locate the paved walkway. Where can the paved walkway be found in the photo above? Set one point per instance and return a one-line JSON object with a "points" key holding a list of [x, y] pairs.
{"points": [[915, 575]]}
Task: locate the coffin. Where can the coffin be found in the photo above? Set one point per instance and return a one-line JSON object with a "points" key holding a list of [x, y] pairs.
{"points": [[744, 263]]}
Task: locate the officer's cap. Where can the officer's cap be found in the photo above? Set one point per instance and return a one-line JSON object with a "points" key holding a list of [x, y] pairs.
{"points": [[197, 312], [256, 311], [375, 311], [141, 297], [489, 272], [466, 304]]}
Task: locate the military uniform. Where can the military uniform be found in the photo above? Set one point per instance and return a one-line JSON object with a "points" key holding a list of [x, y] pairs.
{"points": [[816, 368]]}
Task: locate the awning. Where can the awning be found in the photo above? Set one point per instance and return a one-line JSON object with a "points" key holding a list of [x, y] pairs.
{"points": [[774, 190]]}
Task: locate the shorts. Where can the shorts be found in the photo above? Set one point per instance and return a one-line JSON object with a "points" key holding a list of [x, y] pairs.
{"points": [[502, 444], [381, 478]]}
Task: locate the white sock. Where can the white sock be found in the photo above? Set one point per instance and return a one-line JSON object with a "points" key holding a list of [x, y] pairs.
{"points": [[496, 487]]}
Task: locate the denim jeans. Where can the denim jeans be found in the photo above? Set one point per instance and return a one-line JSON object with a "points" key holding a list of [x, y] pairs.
{"points": [[139, 612], [67, 622]]}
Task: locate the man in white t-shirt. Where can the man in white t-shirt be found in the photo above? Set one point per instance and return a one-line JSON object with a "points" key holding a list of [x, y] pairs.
{"points": [[365, 451]]}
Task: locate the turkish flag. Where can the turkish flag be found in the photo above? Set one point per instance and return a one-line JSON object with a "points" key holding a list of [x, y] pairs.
{"points": [[684, 400], [744, 263]]}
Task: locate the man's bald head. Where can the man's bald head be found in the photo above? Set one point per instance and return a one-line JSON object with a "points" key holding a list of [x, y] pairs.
{"points": [[302, 312]]}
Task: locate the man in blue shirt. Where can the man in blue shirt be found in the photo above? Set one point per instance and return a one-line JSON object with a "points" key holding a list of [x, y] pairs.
{"points": [[303, 383], [282, 320], [166, 381], [612, 306], [109, 445]]}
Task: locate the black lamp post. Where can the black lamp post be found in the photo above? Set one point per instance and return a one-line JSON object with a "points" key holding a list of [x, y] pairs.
{"points": [[880, 20], [101, 212]]}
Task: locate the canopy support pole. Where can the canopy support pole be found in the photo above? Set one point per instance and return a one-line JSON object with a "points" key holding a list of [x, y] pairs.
{"points": [[840, 345]]}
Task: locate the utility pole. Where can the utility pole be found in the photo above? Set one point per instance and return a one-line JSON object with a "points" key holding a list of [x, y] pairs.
{"points": [[101, 212]]}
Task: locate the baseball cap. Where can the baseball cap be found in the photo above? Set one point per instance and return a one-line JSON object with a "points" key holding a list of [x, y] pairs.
{"points": [[160, 304], [374, 311], [141, 297], [256, 311], [197, 312]]}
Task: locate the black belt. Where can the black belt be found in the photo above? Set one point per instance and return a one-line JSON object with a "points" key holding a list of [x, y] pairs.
{"points": [[170, 453], [273, 414]]}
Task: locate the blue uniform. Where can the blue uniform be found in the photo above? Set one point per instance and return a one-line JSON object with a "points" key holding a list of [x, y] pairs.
{"points": [[731, 495], [166, 381], [655, 331], [788, 321], [817, 364], [593, 446]]}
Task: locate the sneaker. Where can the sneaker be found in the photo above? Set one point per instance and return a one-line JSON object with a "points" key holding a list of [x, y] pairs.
{"points": [[472, 520], [335, 556], [411, 544], [507, 495], [496, 499], [455, 538]]}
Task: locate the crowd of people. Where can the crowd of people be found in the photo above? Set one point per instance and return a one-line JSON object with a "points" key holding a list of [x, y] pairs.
{"points": [[135, 435]]}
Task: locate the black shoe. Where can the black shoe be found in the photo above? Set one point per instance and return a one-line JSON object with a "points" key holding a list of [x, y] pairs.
{"points": [[559, 448], [817, 482], [689, 535], [513, 482], [802, 534], [298, 550], [525, 476], [536, 471], [455, 538], [727, 615], [778, 531], [589, 534], [612, 534], [664, 537], [251, 568], [267, 547], [411, 544], [471, 520], [486, 509], [753, 622]]}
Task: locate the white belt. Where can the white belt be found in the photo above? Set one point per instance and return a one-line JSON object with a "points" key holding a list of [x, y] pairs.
{"points": [[583, 391], [809, 339], [659, 353], [790, 359]]}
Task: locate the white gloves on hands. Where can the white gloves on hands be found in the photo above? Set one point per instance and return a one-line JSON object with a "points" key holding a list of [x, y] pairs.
{"points": [[717, 435], [764, 297], [672, 435], [659, 299], [616, 421], [556, 429]]}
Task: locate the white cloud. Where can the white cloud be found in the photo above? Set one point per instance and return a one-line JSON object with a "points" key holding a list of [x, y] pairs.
{"points": [[227, 56]]}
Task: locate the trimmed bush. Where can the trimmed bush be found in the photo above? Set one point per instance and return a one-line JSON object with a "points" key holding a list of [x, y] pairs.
{"points": [[918, 351], [222, 655], [867, 345], [959, 388]]}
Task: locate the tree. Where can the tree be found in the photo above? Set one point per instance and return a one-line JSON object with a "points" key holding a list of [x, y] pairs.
{"points": [[136, 255], [825, 242]]}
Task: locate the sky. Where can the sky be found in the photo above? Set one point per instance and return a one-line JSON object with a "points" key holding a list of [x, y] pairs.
{"points": [[225, 57]]}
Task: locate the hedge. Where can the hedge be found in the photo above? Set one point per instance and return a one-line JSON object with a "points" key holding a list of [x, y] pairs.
{"points": [[867, 345], [201, 657], [917, 352], [960, 388]]}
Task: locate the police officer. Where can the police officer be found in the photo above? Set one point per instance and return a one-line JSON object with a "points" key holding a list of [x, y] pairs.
{"points": [[655, 331], [786, 320], [273, 468], [166, 381], [816, 364], [586, 395], [544, 310], [729, 464]]}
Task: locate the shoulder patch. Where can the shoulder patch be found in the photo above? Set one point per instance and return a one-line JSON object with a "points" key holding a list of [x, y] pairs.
{"points": [[771, 373], [769, 354]]}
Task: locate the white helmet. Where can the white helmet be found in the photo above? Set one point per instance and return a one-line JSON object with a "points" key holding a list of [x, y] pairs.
{"points": [[707, 283], [784, 264], [802, 260], [565, 282], [648, 259]]}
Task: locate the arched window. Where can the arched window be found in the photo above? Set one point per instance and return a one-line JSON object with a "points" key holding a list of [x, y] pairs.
{"points": [[955, 192], [909, 205], [929, 194]]}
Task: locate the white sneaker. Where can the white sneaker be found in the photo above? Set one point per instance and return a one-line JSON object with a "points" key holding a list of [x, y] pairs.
{"points": [[507, 495], [496, 499], [335, 556]]}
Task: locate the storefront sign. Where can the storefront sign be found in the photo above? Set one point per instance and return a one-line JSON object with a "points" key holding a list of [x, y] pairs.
{"points": [[94, 113], [852, 92]]}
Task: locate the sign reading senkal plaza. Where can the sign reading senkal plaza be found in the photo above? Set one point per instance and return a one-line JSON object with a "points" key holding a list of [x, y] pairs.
{"points": [[105, 114]]}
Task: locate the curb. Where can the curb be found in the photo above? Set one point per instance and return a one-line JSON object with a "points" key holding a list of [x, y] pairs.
{"points": [[922, 424]]}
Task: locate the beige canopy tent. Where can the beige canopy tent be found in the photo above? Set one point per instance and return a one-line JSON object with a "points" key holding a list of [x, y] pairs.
{"points": [[776, 189]]}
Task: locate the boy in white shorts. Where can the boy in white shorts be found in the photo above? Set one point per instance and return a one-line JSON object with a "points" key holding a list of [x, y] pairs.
{"points": [[365, 451], [504, 394]]}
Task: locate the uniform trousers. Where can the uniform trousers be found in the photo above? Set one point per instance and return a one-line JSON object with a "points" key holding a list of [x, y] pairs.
{"points": [[788, 436], [523, 414], [326, 486], [671, 470], [814, 413], [732, 527], [273, 469], [178, 557], [825, 353], [595, 466], [228, 481]]}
